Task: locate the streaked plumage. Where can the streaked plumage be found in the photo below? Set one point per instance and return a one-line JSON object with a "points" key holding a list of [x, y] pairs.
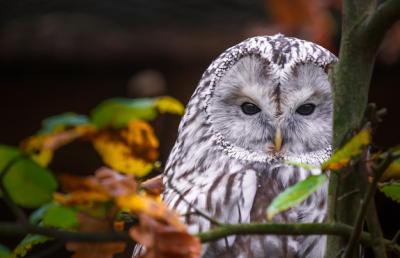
{"points": [[225, 162]]}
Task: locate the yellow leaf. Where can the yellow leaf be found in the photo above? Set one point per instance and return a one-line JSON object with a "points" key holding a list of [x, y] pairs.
{"points": [[392, 172], [132, 150], [171, 105], [353, 148], [144, 204]]}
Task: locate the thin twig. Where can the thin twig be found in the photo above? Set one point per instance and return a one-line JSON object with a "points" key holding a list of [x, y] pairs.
{"points": [[396, 237], [365, 204]]}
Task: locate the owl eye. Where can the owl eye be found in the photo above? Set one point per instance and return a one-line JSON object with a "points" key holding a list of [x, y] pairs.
{"points": [[249, 108], [306, 109]]}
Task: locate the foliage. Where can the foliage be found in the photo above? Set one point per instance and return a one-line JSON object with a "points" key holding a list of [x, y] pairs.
{"points": [[343, 157], [120, 132]]}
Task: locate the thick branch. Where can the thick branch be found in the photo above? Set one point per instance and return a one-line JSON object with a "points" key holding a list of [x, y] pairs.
{"points": [[380, 22]]}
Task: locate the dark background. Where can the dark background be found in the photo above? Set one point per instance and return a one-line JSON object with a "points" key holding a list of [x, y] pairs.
{"points": [[58, 56]]}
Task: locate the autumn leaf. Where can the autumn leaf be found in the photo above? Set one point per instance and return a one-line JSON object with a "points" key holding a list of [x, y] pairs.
{"points": [[90, 249], [295, 194], [353, 148], [105, 185], [41, 147], [143, 204], [163, 240], [310, 19], [393, 171], [153, 185], [132, 150]]}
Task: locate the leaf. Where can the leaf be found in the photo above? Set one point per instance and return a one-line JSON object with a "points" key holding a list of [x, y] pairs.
{"points": [[153, 185], [41, 147], [60, 217], [132, 150], [163, 240], [29, 184], [105, 185], [391, 190], [143, 204], [393, 171], [55, 123], [353, 148], [28, 243], [295, 194], [118, 112], [4, 252], [170, 105], [36, 216], [7, 153], [90, 249]]}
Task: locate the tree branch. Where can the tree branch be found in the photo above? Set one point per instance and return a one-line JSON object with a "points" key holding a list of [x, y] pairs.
{"points": [[380, 22], [289, 229], [365, 205], [12, 229]]}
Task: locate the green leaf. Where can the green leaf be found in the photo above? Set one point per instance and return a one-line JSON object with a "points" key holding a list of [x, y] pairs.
{"points": [[393, 171], [118, 112], [4, 252], [27, 244], [29, 184], [37, 216], [295, 194], [7, 153], [391, 190], [353, 148], [61, 217], [54, 123]]}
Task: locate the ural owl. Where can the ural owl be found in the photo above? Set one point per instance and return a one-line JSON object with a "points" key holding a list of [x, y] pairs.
{"points": [[262, 102]]}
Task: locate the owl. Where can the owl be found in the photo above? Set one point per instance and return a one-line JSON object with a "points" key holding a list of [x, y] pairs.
{"points": [[260, 104]]}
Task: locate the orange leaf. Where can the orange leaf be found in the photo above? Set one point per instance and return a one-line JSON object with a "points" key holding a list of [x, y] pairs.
{"points": [[163, 240], [153, 185], [95, 250]]}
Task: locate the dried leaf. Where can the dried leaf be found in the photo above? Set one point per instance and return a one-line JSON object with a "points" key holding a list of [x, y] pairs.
{"points": [[153, 185], [95, 250], [103, 186], [295, 194], [132, 150], [353, 148], [164, 240], [139, 204]]}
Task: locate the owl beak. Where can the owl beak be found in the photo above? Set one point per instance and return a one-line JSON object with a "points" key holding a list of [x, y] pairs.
{"points": [[278, 140]]}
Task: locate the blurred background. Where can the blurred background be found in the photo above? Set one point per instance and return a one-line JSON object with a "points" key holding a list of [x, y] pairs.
{"points": [[59, 55]]}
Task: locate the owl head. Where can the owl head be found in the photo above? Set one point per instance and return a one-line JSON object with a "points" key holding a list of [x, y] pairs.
{"points": [[269, 97]]}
